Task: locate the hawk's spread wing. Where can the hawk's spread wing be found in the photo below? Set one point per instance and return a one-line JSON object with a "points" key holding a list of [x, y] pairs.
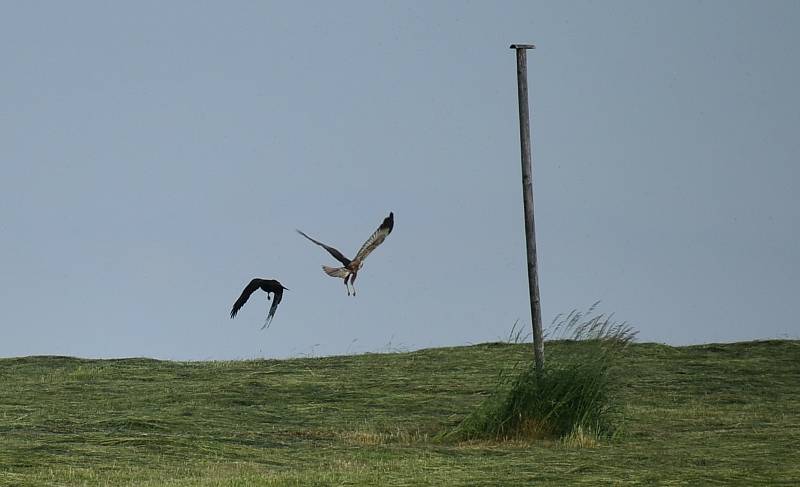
{"points": [[248, 290], [278, 296], [335, 253], [376, 238]]}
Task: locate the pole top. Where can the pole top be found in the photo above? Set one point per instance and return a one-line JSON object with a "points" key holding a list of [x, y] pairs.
{"points": [[522, 46]]}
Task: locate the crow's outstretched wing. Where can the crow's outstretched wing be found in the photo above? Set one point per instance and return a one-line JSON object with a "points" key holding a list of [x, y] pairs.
{"points": [[248, 290], [377, 238], [335, 253], [278, 296]]}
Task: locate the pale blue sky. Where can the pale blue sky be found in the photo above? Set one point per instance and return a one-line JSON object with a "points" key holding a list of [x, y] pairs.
{"points": [[157, 155]]}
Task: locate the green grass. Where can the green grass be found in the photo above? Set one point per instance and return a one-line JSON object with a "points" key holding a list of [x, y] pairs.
{"points": [[572, 398], [714, 414]]}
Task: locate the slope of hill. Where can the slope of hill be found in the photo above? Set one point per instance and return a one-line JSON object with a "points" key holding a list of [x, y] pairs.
{"points": [[722, 413]]}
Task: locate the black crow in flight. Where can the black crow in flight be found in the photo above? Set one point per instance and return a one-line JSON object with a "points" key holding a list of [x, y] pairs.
{"points": [[266, 285]]}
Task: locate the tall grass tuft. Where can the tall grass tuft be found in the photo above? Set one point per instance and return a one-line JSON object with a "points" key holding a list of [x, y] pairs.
{"points": [[571, 398]]}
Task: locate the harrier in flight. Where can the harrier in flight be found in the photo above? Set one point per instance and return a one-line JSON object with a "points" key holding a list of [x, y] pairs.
{"points": [[266, 285], [350, 268]]}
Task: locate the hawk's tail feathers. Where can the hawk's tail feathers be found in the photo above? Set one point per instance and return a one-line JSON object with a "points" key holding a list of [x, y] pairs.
{"points": [[336, 271]]}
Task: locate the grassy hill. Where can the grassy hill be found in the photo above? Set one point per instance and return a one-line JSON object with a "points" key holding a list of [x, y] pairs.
{"points": [[713, 414]]}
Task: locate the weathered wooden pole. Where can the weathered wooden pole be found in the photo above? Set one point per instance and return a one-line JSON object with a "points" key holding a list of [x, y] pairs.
{"points": [[527, 198]]}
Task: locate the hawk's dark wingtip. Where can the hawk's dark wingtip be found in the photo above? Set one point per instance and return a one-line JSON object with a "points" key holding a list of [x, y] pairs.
{"points": [[388, 222]]}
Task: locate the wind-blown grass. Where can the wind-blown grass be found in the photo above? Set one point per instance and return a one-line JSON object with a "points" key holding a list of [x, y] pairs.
{"points": [[571, 398]]}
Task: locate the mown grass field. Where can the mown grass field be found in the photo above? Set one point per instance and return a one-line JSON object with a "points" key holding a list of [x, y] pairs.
{"points": [[703, 415]]}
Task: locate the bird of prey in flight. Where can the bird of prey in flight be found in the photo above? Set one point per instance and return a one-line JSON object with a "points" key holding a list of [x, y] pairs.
{"points": [[266, 285], [350, 268]]}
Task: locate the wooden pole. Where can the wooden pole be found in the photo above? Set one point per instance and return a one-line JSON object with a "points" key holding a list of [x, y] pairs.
{"points": [[527, 198]]}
